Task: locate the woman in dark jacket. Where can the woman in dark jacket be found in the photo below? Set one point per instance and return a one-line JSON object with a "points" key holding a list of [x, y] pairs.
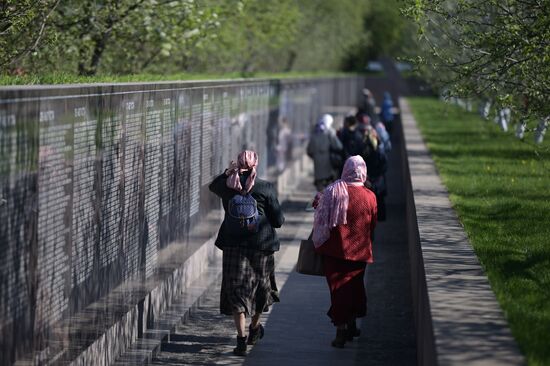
{"points": [[248, 276]]}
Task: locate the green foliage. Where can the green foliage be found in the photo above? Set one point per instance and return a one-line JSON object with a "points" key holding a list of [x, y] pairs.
{"points": [[159, 34], [390, 31], [23, 26], [250, 37], [329, 31], [123, 37], [488, 48], [126, 36], [105, 36], [389, 34], [69, 78], [500, 192]]}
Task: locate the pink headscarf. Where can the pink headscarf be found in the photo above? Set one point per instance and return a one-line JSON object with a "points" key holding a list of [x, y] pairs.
{"points": [[333, 204], [247, 160]]}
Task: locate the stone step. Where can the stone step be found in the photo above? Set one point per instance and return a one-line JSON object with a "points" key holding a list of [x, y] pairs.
{"points": [[145, 348], [206, 338]]}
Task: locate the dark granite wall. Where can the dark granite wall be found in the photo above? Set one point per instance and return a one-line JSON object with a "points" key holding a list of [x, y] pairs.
{"points": [[96, 179]]}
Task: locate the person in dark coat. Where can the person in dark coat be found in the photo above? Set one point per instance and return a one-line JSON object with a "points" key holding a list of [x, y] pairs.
{"points": [[377, 165], [369, 106], [352, 138], [386, 112], [248, 275], [325, 149]]}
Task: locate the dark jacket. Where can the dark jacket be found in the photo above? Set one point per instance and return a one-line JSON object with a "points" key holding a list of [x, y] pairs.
{"points": [[322, 144], [271, 215], [352, 139]]}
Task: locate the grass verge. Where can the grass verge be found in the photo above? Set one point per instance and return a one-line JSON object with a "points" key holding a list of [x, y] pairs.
{"points": [[500, 188], [67, 78]]}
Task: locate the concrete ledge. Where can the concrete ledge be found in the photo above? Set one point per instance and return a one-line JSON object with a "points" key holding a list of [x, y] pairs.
{"points": [[105, 329], [144, 349], [458, 319]]}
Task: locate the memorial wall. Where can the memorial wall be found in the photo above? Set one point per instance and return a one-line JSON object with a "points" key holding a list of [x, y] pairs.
{"points": [[95, 180]]}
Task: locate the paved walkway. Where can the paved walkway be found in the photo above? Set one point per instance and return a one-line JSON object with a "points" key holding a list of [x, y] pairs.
{"points": [[459, 313], [298, 331]]}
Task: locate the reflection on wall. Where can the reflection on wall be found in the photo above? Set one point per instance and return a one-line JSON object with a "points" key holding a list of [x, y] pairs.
{"points": [[96, 181]]}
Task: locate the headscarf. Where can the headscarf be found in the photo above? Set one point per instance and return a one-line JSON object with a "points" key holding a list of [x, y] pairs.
{"points": [[246, 161], [324, 123], [333, 204]]}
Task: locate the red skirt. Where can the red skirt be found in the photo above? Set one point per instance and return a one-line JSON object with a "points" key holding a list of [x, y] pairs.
{"points": [[347, 290]]}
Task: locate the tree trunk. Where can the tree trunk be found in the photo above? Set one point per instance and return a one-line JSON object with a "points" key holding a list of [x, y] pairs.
{"points": [[290, 61], [100, 44]]}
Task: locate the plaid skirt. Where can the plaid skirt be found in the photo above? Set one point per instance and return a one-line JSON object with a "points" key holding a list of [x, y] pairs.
{"points": [[248, 281]]}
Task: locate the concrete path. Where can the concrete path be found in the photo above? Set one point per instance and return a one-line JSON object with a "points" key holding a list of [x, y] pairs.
{"points": [[298, 331], [460, 321]]}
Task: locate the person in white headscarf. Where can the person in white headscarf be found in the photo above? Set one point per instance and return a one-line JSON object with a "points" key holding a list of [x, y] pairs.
{"points": [[324, 144]]}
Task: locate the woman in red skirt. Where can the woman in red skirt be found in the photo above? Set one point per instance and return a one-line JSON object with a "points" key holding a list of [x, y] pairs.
{"points": [[345, 218]]}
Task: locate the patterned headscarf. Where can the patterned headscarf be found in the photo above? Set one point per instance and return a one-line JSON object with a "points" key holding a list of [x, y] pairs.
{"points": [[333, 204], [246, 161]]}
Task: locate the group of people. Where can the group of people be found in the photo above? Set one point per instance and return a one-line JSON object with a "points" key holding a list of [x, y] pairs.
{"points": [[366, 134], [346, 212]]}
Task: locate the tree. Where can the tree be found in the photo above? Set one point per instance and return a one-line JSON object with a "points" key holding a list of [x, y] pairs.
{"points": [[251, 36], [129, 35], [329, 31], [390, 34], [90, 37], [287, 35], [489, 48], [117, 36], [23, 28]]}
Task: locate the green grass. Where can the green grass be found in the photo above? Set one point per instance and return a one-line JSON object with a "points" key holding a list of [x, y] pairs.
{"points": [[500, 188], [67, 78]]}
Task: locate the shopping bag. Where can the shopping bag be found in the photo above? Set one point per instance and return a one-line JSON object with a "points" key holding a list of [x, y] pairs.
{"points": [[309, 261]]}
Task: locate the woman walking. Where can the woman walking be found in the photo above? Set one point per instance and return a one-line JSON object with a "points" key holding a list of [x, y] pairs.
{"points": [[344, 222], [248, 280], [325, 149]]}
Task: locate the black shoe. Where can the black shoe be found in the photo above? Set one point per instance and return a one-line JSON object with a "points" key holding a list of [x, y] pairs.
{"points": [[352, 331], [240, 350], [255, 334], [340, 339]]}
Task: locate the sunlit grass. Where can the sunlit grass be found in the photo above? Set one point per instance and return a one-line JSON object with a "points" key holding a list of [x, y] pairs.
{"points": [[500, 188], [68, 78]]}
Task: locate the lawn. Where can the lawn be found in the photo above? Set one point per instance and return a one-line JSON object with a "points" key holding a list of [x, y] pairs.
{"points": [[68, 78], [500, 189]]}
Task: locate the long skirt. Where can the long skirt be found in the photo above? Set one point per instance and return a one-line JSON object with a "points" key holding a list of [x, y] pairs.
{"points": [[347, 290], [248, 281]]}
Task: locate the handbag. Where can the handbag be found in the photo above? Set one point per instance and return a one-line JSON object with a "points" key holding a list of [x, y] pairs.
{"points": [[336, 156], [309, 261], [336, 159]]}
